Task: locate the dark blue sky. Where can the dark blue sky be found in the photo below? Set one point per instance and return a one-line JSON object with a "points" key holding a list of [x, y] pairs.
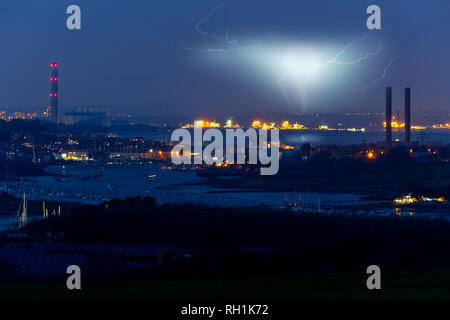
{"points": [[147, 58]]}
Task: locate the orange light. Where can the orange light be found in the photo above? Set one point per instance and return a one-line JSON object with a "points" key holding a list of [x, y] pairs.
{"points": [[256, 124]]}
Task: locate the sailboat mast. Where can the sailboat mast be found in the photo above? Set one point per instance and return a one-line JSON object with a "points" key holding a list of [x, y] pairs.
{"points": [[22, 216], [24, 210], [43, 210]]}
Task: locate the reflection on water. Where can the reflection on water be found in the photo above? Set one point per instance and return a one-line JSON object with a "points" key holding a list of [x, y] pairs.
{"points": [[344, 137], [166, 186], [401, 211], [316, 137]]}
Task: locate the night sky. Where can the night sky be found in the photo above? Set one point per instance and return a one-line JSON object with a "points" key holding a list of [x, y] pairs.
{"points": [[146, 57]]}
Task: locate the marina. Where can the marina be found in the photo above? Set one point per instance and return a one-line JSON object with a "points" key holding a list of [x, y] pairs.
{"points": [[76, 184]]}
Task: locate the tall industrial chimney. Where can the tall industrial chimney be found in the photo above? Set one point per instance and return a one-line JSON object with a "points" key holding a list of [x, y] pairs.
{"points": [[388, 117], [407, 115], [53, 108]]}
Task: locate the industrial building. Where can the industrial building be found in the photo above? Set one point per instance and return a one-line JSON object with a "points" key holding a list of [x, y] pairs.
{"points": [[91, 116], [389, 117]]}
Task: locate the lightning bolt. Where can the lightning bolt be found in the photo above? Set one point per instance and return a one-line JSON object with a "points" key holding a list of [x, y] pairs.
{"points": [[225, 39], [336, 60], [212, 50], [283, 91], [207, 18], [359, 60], [383, 75]]}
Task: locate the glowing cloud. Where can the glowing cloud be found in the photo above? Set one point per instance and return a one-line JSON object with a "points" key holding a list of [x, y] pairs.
{"points": [[301, 64], [294, 67]]}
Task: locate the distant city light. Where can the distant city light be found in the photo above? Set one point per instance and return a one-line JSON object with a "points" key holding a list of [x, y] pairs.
{"points": [[409, 199], [258, 124]]}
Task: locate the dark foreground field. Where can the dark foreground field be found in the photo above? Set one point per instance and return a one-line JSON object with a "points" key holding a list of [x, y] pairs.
{"points": [[399, 285], [134, 249]]}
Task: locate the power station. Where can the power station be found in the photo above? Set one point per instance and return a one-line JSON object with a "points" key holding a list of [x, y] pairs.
{"points": [[407, 115], [53, 107], [389, 116]]}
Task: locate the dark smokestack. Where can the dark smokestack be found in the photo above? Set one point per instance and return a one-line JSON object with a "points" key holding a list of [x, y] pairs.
{"points": [[389, 117], [53, 108], [407, 115]]}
